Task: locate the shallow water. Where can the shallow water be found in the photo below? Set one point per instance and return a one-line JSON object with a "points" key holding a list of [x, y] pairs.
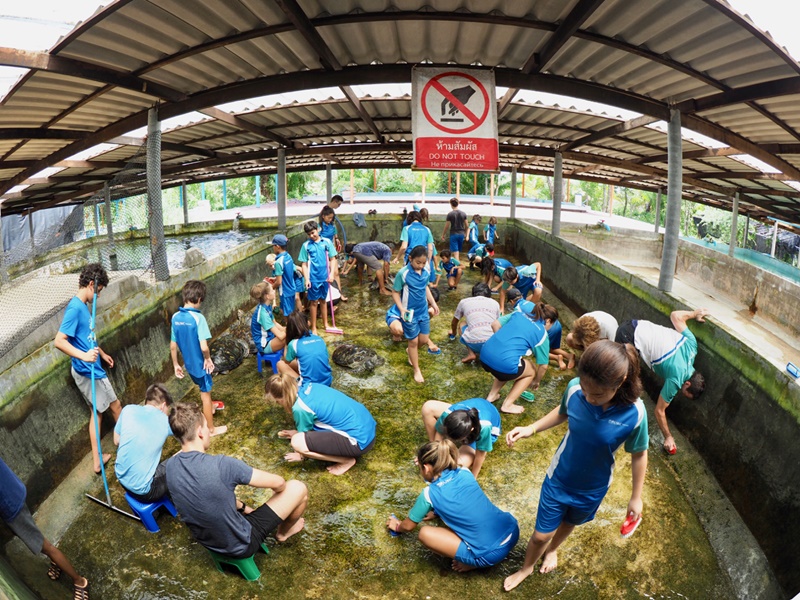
{"points": [[345, 551]]}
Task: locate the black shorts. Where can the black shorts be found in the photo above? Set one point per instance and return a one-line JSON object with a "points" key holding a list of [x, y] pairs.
{"points": [[625, 332], [158, 487], [263, 521], [500, 376], [334, 444]]}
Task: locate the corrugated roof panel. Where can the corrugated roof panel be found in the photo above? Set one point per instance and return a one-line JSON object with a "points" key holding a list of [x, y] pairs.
{"points": [[34, 149]]}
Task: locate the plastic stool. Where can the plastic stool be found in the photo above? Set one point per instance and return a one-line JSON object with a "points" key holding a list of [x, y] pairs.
{"points": [[273, 358], [246, 566], [146, 512]]}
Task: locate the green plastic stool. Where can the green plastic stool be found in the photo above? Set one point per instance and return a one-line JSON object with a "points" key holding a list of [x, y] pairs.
{"points": [[246, 566]]}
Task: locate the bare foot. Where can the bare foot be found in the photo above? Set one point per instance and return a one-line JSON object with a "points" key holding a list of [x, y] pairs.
{"points": [[314, 331], [385, 292], [293, 457], [561, 365], [461, 567], [409, 359], [106, 458], [418, 376], [550, 562], [571, 364], [469, 358], [515, 579], [219, 430], [512, 408], [296, 528], [342, 467], [492, 398]]}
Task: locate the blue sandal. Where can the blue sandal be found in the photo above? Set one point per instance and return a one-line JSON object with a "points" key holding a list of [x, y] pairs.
{"points": [[437, 351]]}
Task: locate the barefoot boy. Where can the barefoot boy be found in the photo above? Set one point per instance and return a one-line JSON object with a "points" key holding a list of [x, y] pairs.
{"points": [[75, 338], [202, 488], [190, 334], [318, 259]]}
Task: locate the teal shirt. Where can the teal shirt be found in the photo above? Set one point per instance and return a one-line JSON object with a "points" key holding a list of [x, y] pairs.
{"points": [[678, 368]]}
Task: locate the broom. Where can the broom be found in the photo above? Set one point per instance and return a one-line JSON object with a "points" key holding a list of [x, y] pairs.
{"points": [[334, 329]]}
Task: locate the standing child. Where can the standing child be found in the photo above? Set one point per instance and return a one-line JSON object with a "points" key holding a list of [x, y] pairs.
{"points": [[268, 336], [412, 282], [478, 534], [327, 230], [456, 222], [451, 268], [490, 231], [603, 409], [190, 334], [414, 234], [17, 516], [140, 434], [284, 274], [317, 258], [306, 354], [474, 232], [330, 426], [75, 338], [473, 423]]}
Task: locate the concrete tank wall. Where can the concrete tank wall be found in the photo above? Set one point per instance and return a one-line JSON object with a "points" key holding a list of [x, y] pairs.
{"points": [[746, 424]]}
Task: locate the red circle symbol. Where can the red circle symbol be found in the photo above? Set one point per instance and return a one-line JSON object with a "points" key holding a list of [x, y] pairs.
{"points": [[474, 120]]}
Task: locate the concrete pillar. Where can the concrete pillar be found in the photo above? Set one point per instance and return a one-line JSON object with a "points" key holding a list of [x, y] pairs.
{"points": [[669, 255], [734, 224], [774, 240], [328, 182], [96, 211], [558, 184], [3, 271], [352, 185], [224, 194], [513, 202], [185, 203], [280, 191], [424, 181], [158, 249], [658, 211], [258, 190], [491, 189], [746, 231], [458, 185]]}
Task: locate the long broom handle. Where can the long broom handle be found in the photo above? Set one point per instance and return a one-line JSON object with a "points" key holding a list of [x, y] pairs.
{"points": [[93, 338], [328, 268]]}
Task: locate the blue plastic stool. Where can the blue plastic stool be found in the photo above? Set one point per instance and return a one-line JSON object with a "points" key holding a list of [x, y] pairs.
{"points": [[246, 566], [146, 512], [273, 358]]}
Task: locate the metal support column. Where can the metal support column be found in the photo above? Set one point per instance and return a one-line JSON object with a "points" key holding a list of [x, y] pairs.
{"points": [[328, 182], [458, 185], [734, 224], [258, 190], [224, 194], [158, 249], [669, 255], [185, 203], [513, 201], [774, 240], [558, 184], [112, 251], [96, 219], [33, 239], [746, 232], [3, 271], [658, 211], [280, 192]]}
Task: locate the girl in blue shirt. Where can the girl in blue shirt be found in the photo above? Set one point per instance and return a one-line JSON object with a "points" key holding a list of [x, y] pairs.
{"points": [[473, 232], [306, 354], [330, 426], [478, 534], [490, 231], [473, 423], [412, 296], [268, 335], [602, 409], [414, 234]]}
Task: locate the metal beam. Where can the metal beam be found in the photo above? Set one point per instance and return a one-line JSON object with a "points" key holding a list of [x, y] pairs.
{"points": [[577, 16], [611, 131], [240, 123], [365, 116]]}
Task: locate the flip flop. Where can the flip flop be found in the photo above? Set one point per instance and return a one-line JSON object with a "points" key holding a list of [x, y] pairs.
{"points": [[629, 526], [437, 352], [80, 593], [54, 572]]}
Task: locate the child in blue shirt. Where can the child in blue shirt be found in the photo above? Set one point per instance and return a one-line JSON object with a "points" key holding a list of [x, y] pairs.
{"points": [[140, 434], [412, 296], [526, 278], [306, 354], [502, 356], [477, 534], [492, 270], [318, 259], [268, 336], [477, 254], [330, 426], [75, 338], [414, 234], [327, 230], [451, 268], [547, 315], [284, 266], [490, 231], [602, 409], [473, 232], [190, 334], [473, 423]]}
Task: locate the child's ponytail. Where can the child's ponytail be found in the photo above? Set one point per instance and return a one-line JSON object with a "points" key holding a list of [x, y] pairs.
{"points": [[440, 455], [281, 389]]}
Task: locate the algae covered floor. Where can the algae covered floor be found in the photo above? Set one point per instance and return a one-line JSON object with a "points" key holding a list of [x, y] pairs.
{"points": [[345, 550]]}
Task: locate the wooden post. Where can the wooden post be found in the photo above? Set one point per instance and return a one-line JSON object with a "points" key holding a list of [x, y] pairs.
{"points": [[491, 190], [474, 183], [523, 185], [611, 199], [458, 185], [374, 180], [450, 182], [423, 186]]}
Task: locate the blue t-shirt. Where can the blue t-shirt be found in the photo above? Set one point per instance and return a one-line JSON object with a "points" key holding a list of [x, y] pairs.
{"points": [[449, 267], [491, 425], [189, 327], [202, 488], [142, 431], [323, 408], [489, 233], [519, 336], [500, 265], [524, 306], [415, 235], [76, 325], [12, 493], [413, 288], [314, 253], [554, 335], [464, 507], [261, 324], [472, 234], [311, 353], [584, 461], [327, 230], [284, 266], [377, 249], [526, 278]]}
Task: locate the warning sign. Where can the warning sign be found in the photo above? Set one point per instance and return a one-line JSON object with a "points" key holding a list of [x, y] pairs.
{"points": [[454, 120]]}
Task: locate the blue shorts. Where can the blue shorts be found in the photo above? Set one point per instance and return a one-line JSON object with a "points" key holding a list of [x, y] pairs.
{"points": [[456, 241], [318, 291], [204, 382], [268, 348], [557, 505], [475, 347], [287, 304], [391, 318], [466, 556], [416, 327]]}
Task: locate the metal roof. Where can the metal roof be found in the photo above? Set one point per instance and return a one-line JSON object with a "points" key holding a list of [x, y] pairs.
{"points": [[731, 82]]}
